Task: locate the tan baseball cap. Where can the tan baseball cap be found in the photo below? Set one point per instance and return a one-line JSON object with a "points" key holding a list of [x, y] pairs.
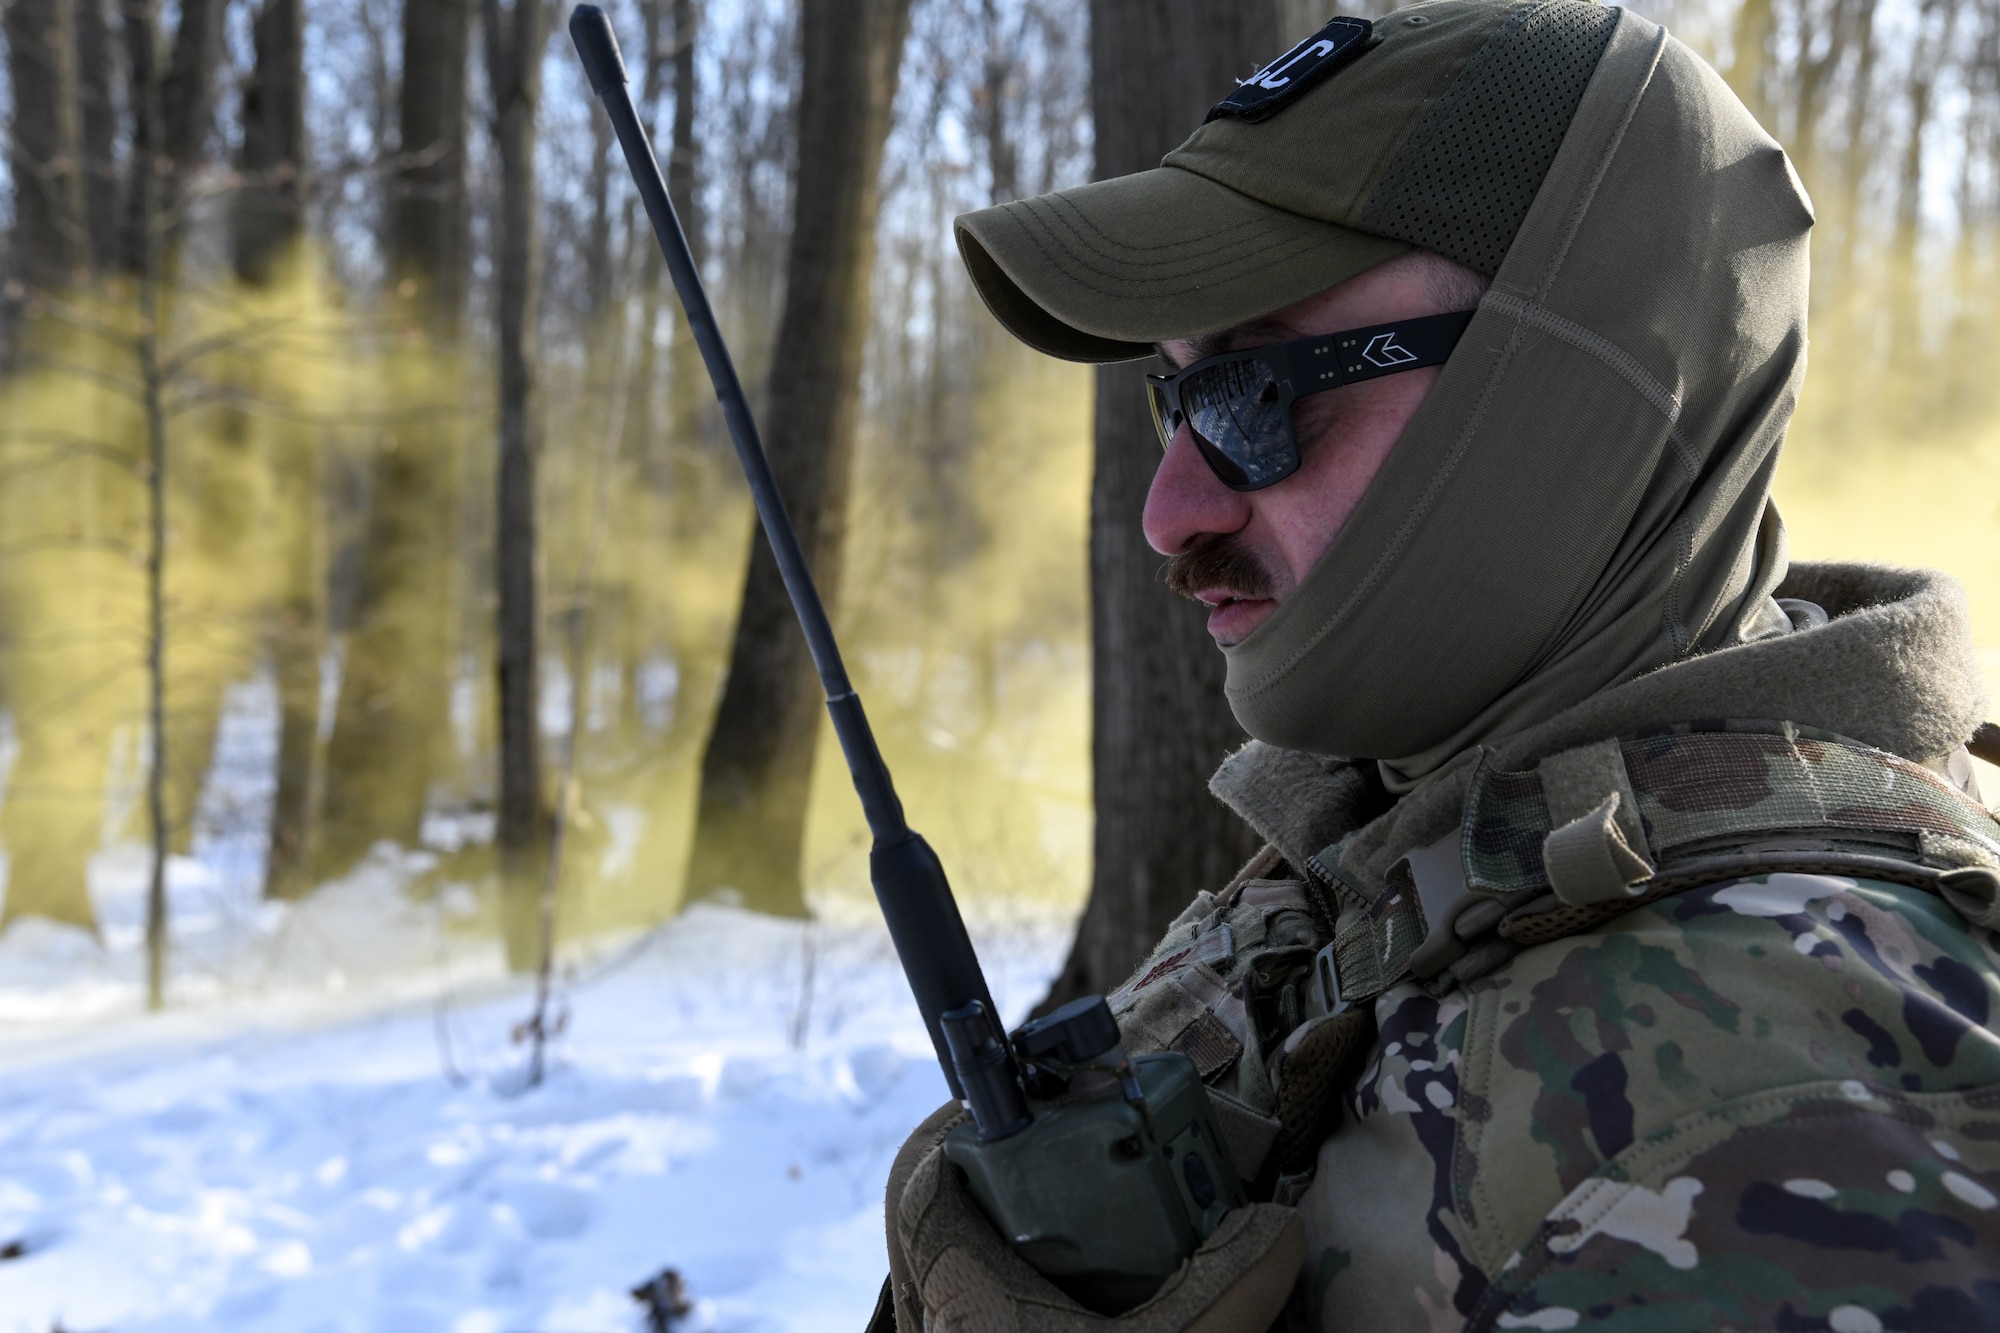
{"points": [[1430, 128]]}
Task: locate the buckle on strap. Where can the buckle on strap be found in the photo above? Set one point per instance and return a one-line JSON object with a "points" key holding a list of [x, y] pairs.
{"points": [[1323, 994]]}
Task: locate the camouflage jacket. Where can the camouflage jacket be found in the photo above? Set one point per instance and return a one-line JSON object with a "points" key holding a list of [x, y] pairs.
{"points": [[1715, 1051]]}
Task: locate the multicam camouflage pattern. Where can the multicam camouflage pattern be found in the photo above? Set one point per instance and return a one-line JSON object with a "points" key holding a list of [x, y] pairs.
{"points": [[1227, 980], [1696, 785], [1760, 1093], [1769, 1103], [1711, 801]]}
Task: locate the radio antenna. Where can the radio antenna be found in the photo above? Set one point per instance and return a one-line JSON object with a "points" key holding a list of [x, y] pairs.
{"points": [[923, 917]]}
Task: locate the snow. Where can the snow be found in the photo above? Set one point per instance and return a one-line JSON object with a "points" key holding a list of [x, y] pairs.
{"points": [[328, 1131]]}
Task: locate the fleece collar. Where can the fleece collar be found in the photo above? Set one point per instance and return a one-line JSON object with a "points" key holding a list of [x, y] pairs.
{"points": [[1893, 667]]}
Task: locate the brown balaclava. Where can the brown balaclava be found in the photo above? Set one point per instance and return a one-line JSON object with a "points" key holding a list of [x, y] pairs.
{"points": [[1583, 495]]}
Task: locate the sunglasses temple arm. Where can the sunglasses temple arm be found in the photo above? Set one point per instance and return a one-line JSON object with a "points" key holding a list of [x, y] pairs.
{"points": [[923, 917]]}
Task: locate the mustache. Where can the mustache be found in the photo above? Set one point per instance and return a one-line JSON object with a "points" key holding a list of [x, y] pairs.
{"points": [[1218, 563]]}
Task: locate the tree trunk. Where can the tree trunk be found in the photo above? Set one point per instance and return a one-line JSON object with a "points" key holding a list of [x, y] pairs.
{"points": [[142, 62], [758, 763], [429, 245], [297, 640], [187, 106], [597, 241], [391, 717], [1159, 722], [642, 442], [684, 161], [43, 145], [268, 223], [1927, 56], [97, 72], [514, 41], [269, 206], [999, 67], [690, 401], [1748, 74], [395, 679], [147, 180]]}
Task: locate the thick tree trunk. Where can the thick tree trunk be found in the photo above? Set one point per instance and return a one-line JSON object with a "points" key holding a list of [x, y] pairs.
{"points": [[43, 144], [268, 223], [755, 772], [142, 64], [188, 101], [395, 681], [297, 640], [1159, 722], [269, 215], [429, 245], [514, 70], [391, 718], [97, 71], [1751, 36]]}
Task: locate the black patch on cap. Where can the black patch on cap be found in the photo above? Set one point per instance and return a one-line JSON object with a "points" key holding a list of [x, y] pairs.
{"points": [[1280, 83]]}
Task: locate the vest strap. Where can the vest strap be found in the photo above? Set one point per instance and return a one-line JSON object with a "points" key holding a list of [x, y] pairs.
{"points": [[1589, 860], [1591, 833]]}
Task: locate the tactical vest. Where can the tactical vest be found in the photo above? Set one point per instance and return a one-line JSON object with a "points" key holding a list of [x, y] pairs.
{"points": [[1266, 987]]}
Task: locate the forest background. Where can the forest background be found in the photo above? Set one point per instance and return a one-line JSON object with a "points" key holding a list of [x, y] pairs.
{"points": [[360, 491]]}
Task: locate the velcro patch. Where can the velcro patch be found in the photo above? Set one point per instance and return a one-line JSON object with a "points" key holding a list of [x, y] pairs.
{"points": [[1280, 83], [1210, 1045]]}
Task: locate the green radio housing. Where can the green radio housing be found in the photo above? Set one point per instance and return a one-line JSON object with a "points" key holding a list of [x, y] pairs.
{"points": [[1103, 1196]]}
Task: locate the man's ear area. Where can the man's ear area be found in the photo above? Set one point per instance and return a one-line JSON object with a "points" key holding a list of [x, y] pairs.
{"points": [[1452, 285]]}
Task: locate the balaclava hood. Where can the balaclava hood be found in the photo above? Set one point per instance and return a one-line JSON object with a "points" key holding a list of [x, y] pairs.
{"points": [[1583, 495]]}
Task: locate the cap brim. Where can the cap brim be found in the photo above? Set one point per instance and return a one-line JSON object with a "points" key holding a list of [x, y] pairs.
{"points": [[1103, 271]]}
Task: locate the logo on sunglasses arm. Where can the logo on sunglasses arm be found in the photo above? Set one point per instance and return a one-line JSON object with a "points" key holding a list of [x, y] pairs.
{"points": [[1383, 350]]}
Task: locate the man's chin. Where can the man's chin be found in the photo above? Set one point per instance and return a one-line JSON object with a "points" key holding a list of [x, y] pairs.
{"points": [[1233, 621]]}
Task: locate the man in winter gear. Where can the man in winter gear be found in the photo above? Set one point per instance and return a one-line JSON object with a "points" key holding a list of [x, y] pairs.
{"points": [[1622, 954]]}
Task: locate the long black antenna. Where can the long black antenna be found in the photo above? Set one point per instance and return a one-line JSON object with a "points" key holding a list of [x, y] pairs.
{"points": [[916, 900]]}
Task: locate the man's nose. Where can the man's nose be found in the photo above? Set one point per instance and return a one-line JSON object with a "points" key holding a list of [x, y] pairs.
{"points": [[1188, 502]]}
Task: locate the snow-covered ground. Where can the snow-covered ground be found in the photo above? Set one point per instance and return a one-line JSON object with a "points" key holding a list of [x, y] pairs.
{"points": [[312, 1141]]}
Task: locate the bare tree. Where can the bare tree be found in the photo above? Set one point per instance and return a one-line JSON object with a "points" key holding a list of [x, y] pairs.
{"points": [[187, 100], [990, 103], [515, 36], [687, 380], [96, 86], [1159, 722], [429, 238], [268, 222], [43, 145], [684, 161], [1936, 21], [146, 216], [1755, 31], [751, 819], [295, 633], [390, 720], [269, 215]]}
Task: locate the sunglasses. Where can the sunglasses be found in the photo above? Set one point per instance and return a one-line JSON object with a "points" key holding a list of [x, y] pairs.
{"points": [[1238, 405]]}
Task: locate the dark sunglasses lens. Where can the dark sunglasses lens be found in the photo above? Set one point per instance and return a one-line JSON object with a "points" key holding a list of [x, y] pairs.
{"points": [[1163, 413], [1237, 410]]}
